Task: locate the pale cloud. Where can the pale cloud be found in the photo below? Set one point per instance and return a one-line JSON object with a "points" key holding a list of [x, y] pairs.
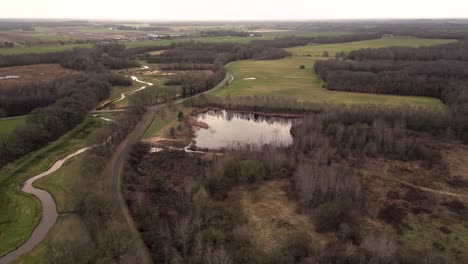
{"points": [[233, 10]]}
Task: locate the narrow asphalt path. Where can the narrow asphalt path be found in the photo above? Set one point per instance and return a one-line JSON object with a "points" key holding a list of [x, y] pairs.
{"points": [[48, 206], [114, 168], [49, 210]]}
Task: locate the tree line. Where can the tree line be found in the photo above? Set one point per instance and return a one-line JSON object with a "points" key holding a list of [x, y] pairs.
{"points": [[110, 56], [206, 221], [34, 58], [20, 99], [453, 51], [115, 56], [77, 94], [7, 44], [428, 30], [438, 72], [223, 33], [66, 101], [293, 41]]}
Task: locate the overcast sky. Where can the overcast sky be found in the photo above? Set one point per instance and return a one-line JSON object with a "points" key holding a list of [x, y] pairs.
{"points": [[233, 9]]}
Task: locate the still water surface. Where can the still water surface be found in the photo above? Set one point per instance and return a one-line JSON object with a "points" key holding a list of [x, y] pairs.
{"points": [[231, 129]]}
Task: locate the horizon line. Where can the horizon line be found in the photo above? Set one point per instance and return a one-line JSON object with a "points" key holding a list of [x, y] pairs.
{"points": [[236, 20]]}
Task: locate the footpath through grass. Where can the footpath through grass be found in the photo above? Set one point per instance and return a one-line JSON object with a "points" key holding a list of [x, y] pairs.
{"points": [[20, 212], [284, 78]]}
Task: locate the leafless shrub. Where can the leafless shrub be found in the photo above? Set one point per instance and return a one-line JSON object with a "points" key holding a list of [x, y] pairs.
{"points": [[318, 183], [381, 248]]}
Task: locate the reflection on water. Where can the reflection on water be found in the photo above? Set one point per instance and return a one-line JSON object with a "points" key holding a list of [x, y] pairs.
{"points": [[228, 129]]}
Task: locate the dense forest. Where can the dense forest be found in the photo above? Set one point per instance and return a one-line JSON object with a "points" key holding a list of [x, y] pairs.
{"points": [[20, 99], [65, 102], [28, 59], [207, 224], [438, 71]]}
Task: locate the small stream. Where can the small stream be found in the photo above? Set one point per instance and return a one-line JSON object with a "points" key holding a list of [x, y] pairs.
{"points": [[134, 78]]}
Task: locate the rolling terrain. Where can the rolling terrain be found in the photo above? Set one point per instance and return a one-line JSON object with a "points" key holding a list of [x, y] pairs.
{"points": [[363, 177], [285, 78]]}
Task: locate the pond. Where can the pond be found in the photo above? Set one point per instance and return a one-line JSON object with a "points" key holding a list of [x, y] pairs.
{"points": [[232, 129]]}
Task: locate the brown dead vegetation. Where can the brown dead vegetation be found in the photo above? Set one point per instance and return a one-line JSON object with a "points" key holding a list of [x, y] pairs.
{"points": [[272, 217], [408, 211], [178, 134], [33, 73]]}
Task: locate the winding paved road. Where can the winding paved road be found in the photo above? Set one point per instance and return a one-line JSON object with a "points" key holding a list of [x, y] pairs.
{"points": [[49, 207], [49, 210]]}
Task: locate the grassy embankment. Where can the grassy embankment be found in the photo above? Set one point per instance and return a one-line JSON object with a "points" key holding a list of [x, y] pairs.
{"points": [[284, 78], [67, 228], [21, 212], [61, 184]]}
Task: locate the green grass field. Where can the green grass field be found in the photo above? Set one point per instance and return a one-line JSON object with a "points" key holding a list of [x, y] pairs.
{"points": [[162, 120], [50, 37], [149, 43], [146, 43], [134, 44], [284, 78], [8, 124], [67, 228], [302, 33], [317, 50], [63, 185], [21, 212]]}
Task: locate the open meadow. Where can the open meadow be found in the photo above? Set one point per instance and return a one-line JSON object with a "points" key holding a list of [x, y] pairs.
{"points": [[332, 49], [8, 124], [285, 78]]}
